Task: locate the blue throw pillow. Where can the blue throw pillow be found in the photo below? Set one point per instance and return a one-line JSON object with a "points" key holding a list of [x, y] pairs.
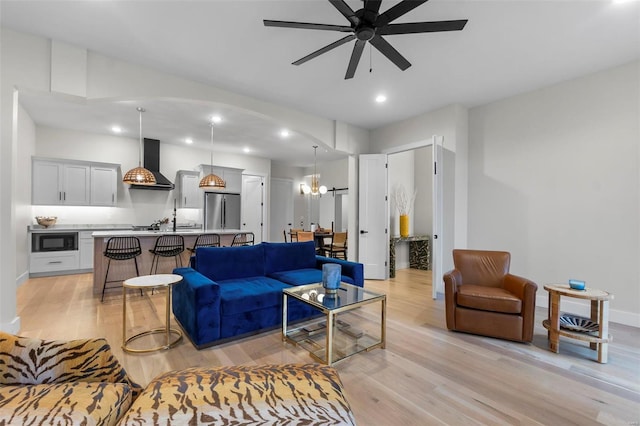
{"points": [[289, 256], [225, 263]]}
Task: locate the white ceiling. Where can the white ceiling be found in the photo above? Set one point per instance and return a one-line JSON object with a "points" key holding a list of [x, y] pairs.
{"points": [[507, 47]]}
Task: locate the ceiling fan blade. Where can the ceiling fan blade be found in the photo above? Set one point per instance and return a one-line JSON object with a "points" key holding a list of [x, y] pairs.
{"points": [[355, 58], [371, 8], [392, 54], [346, 11], [397, 11], [325, 49], [422, 27], [306, 26]]}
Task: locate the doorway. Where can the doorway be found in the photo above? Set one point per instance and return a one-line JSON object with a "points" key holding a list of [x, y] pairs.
{"points": [[442, 206]]}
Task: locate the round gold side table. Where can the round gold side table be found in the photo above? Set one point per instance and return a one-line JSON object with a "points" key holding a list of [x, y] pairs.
{"points": [[151, 281]]}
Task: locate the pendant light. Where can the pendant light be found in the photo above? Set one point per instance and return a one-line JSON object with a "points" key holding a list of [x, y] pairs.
{"points": [[212, 180], [316, 188], [139, 175]]}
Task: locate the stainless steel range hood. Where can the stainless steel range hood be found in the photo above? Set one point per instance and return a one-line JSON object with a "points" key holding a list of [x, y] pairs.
{"points": [[152, 163]]}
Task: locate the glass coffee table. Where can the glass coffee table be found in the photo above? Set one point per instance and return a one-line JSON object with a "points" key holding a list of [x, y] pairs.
{"points": [[344, 330]]}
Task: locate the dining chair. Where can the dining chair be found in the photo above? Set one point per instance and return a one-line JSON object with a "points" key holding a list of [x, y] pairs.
{"points": [[338, 246], [293, 232], [304, 236]]}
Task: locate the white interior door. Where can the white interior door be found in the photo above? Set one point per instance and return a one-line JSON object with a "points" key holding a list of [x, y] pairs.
{"points": [[281, 210], [253, 205], [436, 250], [373, 216]]}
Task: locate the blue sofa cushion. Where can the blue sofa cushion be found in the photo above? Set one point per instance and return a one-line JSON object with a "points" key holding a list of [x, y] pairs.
{"points": [[288, 256], [225, 263], [249, 294], [304, 276]]}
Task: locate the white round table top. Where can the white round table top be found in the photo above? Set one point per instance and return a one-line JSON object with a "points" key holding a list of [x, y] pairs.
{"points": [[158, 280]]}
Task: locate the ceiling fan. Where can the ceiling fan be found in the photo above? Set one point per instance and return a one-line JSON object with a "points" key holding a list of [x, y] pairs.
{"points": [[367, 25]]}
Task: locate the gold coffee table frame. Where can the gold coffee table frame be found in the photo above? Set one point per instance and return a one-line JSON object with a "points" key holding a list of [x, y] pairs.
{"points": [[146, 282], [353, 297]]}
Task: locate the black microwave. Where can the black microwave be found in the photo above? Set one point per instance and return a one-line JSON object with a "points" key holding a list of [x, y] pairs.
{"points": [[54, 241]]}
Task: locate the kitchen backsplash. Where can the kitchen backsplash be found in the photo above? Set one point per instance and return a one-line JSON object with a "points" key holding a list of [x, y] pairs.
{"points": [[140, 215]]}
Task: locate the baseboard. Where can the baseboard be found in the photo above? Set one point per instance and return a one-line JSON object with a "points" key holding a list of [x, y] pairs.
{"points": [[22, 278], [12, 327], [583, 307]]}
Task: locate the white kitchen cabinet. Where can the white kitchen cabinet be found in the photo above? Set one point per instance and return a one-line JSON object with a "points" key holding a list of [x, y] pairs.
{"points": [[73, 183], [59, 183], [233, 179], [190, 195], [104, 185], [85, 246], [53, 261]]}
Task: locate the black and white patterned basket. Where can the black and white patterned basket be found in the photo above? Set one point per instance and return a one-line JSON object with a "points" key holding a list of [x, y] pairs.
{"points": [[577, 323]]}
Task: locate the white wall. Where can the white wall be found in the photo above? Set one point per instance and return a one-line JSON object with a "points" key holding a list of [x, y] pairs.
{"points": [[400, 172], [27, 132], [554, 179], [423, 176]]}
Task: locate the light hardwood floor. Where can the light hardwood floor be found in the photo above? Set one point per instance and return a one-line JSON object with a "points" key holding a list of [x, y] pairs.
{"points": [[426, 375]]}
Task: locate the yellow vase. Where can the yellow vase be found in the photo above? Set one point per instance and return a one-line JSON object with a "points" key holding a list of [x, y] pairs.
{"points": [[404, 225]]}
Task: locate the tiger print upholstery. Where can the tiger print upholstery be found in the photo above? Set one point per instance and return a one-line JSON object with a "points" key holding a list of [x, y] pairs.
{"points": [[45, 381], [290, 394], [73, 403]]}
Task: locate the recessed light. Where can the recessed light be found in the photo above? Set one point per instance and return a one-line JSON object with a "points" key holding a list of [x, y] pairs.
{"points": [[116, 129], [188, 140], [246, 150], [216, 119], [381, 99], [284, 133]]}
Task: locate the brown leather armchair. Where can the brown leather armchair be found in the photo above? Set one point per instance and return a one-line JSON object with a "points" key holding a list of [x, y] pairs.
{"points": [[482, 297]]}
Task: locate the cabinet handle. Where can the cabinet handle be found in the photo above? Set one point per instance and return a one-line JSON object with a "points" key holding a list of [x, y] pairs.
{"points": [[60, 195], [112, 197], [185, 201], [55, 261], [64, 196]]}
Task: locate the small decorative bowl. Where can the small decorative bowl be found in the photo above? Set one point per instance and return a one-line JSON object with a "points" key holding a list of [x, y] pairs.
{"points": [[46, 221], [577, 284]]}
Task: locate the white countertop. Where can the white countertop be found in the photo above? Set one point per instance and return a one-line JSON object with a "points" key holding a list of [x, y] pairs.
{"points": [[76, 227], [130, 233]]}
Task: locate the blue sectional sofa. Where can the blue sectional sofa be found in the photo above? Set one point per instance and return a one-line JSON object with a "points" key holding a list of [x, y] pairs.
{"points": [[232, 292]]}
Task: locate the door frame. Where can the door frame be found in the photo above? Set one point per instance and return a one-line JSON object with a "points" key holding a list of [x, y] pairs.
{"points": [[437, 208]]}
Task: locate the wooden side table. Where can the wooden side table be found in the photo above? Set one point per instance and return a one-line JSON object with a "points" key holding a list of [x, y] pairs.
{"points": [[595, 331], [151, 281]]}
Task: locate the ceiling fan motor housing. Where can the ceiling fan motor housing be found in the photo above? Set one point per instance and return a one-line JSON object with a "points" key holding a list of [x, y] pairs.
{"points": [[365, 32]]}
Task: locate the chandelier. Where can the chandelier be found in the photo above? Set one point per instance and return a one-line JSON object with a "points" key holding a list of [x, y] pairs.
{"points": [[212, 180], [139, 175], [315, 188]]}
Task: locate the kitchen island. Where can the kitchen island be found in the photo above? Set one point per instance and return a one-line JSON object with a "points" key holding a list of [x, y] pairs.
{"points": [[126, 269]]}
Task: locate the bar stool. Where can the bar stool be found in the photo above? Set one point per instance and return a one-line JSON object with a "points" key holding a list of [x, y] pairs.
{"points": [[120, 248], [167, 246], [243, 239], [206, 240]]}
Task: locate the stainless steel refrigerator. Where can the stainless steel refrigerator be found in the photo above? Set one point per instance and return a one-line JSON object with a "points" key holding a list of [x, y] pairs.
{"points": [[221, 211]]}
